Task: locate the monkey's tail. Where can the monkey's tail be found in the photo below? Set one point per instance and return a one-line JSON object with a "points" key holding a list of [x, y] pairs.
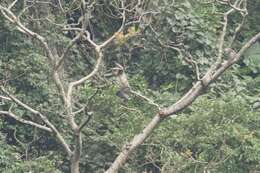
{"points": [[151, 102]]}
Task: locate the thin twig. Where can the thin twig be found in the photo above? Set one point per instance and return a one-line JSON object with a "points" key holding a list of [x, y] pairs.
{"points": [[85, 122], [43, 118]]}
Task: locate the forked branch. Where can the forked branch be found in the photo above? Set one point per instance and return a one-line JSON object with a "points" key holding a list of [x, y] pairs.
{"points": [[43, 118]]}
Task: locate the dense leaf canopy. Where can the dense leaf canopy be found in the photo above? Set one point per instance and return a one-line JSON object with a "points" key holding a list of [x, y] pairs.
{"points": [[165, 48]]}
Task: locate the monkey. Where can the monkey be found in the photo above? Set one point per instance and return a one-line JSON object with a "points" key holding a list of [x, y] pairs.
{"points": [[125, 90]]}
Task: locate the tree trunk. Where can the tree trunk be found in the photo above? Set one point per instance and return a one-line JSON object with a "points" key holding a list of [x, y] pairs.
{"points": [[74, 166], [75, 159]]}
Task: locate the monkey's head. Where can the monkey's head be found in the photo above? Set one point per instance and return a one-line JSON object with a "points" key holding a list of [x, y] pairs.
{"points": [[118, 70]]}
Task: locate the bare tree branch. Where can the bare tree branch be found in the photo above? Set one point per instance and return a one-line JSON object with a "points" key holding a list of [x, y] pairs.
{"points": [[98, 49], [236, 5], [185, 101], [240, 26], [43, 118], [66, 94], [222, 37], [21, 120], [85, 122], [179, 48], [5, 98], [13, 3], [150, 101], [9, 15], [130, 147], [78, 36]]}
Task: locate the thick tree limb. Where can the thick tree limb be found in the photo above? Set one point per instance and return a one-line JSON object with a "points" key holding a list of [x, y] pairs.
{"points": [[184, 102], [129, 148], [209, 77]]}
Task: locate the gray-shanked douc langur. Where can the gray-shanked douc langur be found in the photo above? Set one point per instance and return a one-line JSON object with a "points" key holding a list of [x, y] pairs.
{"points": [[125, 90]]}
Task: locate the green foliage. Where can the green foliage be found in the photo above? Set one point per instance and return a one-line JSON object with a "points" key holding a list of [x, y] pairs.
{"points": [[252, 61], [11, 161], [219, 132], [40, 165]]}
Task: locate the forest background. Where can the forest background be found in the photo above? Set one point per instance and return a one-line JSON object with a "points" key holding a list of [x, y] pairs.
{"points": [[194, 71]]}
